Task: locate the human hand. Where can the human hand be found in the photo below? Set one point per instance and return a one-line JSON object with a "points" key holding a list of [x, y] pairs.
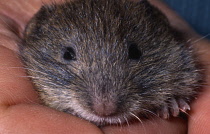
{"points": [[199, 115], [20, 111]]}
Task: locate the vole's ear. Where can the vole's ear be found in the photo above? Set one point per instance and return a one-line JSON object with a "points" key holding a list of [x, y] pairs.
{"points": [[145, 20], [34, 24], [143, 9]]}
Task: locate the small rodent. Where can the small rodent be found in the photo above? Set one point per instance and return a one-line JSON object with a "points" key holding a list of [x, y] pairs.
{"points": [[109, 61]]}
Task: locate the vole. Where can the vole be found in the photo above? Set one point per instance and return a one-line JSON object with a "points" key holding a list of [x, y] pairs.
{"points": [[109, 61]]}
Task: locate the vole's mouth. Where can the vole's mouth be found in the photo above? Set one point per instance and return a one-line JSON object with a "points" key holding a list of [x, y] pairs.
{"points": [[103, 120], [100, 119]]}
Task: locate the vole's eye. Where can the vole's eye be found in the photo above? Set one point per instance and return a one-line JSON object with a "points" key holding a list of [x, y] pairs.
{"points": [[133, 52], [69, 54]]}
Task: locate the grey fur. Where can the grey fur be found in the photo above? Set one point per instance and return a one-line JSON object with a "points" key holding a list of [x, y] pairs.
{"points": [[103, 84]]}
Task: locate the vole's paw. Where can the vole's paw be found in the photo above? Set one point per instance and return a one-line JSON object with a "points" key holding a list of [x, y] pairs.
{"points": [[174, 108]]}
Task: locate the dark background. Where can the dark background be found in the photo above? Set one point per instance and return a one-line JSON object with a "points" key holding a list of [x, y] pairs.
{"points": [[195, 12]]}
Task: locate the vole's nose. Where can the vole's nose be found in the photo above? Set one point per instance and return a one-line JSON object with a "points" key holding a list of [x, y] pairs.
{"points": [[105, 108]]}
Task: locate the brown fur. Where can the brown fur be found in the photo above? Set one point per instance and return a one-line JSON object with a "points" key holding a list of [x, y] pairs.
{"points": [[125, 59]]}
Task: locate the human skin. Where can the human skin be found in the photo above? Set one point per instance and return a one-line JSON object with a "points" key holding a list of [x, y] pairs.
{"points": [[21, 113]]}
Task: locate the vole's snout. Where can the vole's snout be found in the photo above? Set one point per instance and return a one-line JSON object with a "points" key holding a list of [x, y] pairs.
{"points": [[104, 109], [103, 93]]}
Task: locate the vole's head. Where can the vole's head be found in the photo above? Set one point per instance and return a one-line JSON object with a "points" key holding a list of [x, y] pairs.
{"points": [[107, 60]]}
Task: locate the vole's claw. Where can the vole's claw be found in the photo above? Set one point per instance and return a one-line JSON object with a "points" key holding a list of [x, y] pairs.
{"points": [[164, 112], [174, 108], [184, 106]]}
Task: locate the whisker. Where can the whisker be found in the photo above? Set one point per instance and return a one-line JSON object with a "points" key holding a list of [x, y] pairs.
{"points": [[199, 39], [153, 113], [126, 121], [139, 121], [11, 29], [120, 122], [47, 81], [32, 70], [185, 112], [58, 106], [110, 122]]}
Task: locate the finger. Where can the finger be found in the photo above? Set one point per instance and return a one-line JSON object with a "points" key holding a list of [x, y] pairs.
{"points": [[34, 119], [199, 119], [156, 125], [19, 109], [199, 116]]}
